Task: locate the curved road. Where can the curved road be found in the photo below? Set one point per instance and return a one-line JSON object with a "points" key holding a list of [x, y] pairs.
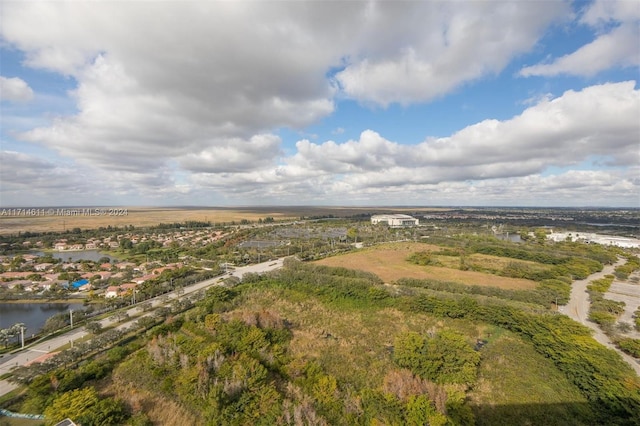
{"points": [[28, 354], [578, 310]]}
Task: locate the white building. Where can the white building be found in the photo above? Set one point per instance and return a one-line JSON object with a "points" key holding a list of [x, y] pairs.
{"points": [[394, 220], [587, 237]]}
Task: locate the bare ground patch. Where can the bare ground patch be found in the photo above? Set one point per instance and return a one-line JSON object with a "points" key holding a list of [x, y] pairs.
{"points": [[136, 216], [390, 264], [47, 219]]}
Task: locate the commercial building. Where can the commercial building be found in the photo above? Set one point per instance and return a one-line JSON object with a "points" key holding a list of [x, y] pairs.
{"points": [[394, 220], [586, 237]]}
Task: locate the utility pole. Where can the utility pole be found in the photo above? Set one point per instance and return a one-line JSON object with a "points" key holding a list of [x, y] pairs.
{"points": [[22, 336], [71, 317]]}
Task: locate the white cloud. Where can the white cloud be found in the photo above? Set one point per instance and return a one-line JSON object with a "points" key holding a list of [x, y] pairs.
{"points": [[617, 25], [192, 105], [15, 89], [597, 122], [501, 159], [235, 155], [601, 13], [34, 176], [29, 180], [418, 51], [198, 75]]}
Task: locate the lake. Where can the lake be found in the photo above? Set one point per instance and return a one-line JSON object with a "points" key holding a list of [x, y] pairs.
{"points": [[33, 315], [93, 255]]}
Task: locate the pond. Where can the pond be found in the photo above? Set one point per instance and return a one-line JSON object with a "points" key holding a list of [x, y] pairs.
{"points": [[33, 315]]}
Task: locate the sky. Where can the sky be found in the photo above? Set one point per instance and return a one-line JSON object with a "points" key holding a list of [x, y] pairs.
{"points": [[346, 103]]}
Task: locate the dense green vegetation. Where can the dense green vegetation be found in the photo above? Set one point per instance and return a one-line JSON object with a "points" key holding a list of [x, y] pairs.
{"points": [[544, 295], [632, 264], [552, 267], [597, 371], [603, 312], [630, 346], [310, 344], [446, 357]]}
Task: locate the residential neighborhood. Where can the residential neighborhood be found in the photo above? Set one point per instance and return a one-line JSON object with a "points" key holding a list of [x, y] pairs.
{"points": [[78, 278], [44, 270]]}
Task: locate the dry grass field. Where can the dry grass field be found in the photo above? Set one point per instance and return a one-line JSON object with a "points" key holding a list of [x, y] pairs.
{"points": [[340, 338], [136, 216], [353, 346], [49, 220], [389, 263]]}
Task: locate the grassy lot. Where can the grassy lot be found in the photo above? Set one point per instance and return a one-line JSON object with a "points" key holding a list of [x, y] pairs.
{"points": [[389, 263], [338, 338], [514, 381]]}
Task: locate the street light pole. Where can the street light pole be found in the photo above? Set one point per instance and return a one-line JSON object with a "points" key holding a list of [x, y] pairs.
{"points": [[71, 317]]}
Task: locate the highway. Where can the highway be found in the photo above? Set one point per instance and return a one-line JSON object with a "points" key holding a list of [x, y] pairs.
{"points": [[41, 349]]}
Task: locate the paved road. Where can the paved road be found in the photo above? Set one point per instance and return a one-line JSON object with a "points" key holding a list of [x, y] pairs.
{"points": [[578, 310], [27, 355]]}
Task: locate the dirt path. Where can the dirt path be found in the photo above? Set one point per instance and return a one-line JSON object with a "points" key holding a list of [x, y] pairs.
{"points": [[578, 310]]}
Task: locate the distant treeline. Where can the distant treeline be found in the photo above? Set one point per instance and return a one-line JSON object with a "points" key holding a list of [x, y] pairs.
{"points": [[189, 224]]}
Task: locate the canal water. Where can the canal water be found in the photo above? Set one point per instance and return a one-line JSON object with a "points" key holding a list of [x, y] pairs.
{"points": [[33, 315]]}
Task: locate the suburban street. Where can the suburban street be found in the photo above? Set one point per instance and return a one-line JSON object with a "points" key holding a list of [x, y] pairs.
{"points": [[578, 310], [42, 349]]}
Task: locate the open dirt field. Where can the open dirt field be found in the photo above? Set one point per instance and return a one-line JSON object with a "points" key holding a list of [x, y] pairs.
{"points": [[124, 216], [389, 263], [46, 219]]}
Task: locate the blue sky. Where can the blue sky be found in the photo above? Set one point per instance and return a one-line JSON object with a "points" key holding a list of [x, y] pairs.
{"points": [[320, 103]]}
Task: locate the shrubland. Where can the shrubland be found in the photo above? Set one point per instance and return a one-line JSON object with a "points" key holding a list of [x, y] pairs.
{"points": [[311, 344]]}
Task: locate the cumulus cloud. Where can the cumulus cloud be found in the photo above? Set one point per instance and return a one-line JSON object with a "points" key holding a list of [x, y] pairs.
{"points": [[617, 24], [30, 180], [203, 72], [597, 122], [198, 75], [417, 51], [26, 173], [193, 105], [15, 89], [235, 155]]}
